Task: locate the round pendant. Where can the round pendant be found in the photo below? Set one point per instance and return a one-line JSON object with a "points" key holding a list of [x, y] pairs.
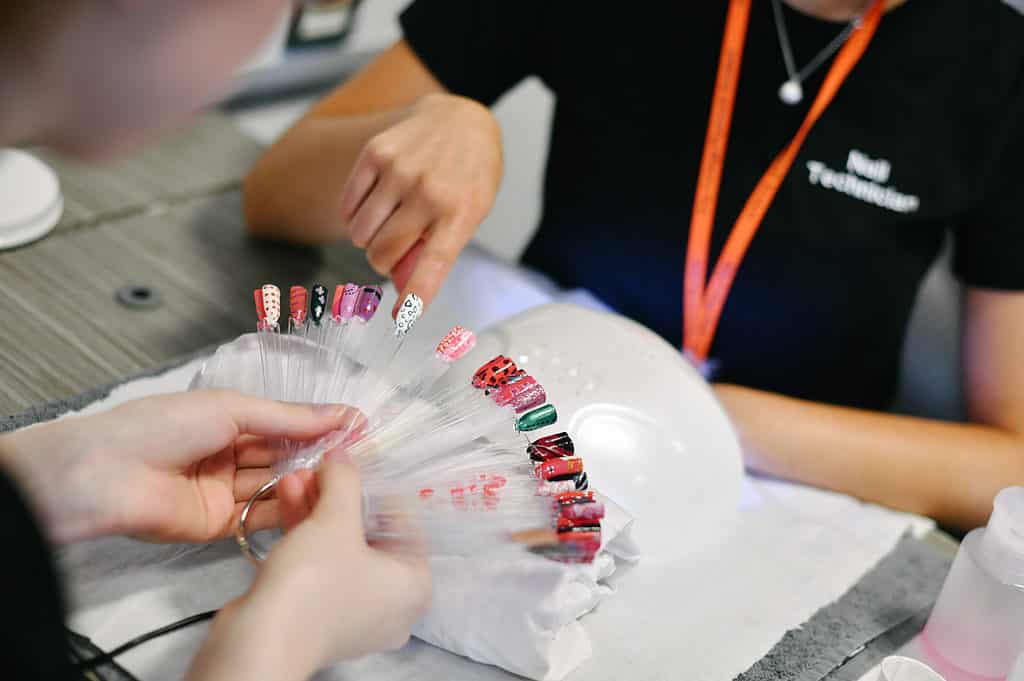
{"points": [[791, 92]]}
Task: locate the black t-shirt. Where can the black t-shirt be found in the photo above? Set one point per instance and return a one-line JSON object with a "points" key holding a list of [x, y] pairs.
{"points": [[32, 640], [926, 136]]}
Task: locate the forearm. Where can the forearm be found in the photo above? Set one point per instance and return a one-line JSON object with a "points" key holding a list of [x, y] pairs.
{"points": [[947, 471], [294, 191]]}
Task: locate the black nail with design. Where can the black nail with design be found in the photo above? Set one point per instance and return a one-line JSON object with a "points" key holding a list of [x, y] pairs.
{"points": [[317, 303]]}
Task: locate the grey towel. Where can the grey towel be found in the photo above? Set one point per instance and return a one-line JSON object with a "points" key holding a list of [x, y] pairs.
{"points": [[884, 610], [51, 410]]}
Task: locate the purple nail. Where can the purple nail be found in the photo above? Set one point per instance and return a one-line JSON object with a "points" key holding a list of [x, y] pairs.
{"points": [[368, 302]]}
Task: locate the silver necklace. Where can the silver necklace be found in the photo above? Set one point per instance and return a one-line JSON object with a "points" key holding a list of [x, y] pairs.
{"points": [[792, 91]]}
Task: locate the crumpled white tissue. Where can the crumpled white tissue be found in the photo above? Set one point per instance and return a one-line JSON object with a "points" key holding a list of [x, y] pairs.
{"points": [[523, 614]]}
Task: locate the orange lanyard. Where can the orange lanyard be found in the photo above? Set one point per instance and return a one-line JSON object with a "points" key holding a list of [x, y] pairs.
{"points": [[702, 306]]}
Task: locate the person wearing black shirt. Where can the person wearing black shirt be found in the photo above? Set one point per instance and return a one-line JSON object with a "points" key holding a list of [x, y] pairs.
{"points": [[924, 137], [90, 78]]}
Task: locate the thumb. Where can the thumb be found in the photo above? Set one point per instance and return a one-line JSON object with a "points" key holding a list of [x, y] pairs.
{"points": [[341, 494]]}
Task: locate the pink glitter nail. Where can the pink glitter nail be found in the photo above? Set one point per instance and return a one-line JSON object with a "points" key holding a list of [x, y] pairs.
{"points": [[523, 395]]}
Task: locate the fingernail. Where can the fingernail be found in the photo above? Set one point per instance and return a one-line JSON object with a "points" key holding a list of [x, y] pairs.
{"points": [[272, 304], [455, 344], [298, 298], [368, 302], [494, 373], [345, 299], [522, 395], [356, 236], [537, 418], [408, 314]]}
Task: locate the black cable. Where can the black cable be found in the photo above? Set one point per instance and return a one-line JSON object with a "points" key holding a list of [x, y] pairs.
{"points": [[148, 636]]}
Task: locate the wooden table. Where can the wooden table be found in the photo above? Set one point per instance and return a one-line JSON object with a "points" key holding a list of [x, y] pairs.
{"points": [[168, 219]]}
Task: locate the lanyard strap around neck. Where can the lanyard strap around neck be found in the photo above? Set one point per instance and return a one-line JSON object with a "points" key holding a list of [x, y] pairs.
{"points": [[702, 307]]}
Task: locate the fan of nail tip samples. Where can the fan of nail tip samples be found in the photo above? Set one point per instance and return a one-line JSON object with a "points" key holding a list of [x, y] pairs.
{"points": [[442, 448]]}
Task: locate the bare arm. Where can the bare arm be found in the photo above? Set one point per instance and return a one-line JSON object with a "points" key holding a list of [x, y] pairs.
{"points": [[945, 470]]}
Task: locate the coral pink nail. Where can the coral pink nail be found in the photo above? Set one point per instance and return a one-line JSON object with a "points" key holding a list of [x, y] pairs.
{"points": [[298, 299]]}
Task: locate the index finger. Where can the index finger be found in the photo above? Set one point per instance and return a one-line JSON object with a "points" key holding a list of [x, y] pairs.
{"points": [[429, 262]]}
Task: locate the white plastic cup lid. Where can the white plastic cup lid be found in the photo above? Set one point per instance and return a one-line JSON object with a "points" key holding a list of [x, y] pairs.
{"points": [[30, 199], [898, 668]]}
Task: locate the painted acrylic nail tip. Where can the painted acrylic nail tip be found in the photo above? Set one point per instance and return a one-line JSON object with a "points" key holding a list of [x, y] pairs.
{"points": [[559, 440], [261, 313], [347, 301], [318, 303], [537, 418], [522, 395], [566, 524], [559, 469], [494, 373], [556, 488], [455, 344], [272, 304], [298, 298], [368, 302], [336, 302], [593, 510], [585, 541], [571, 498], [542, 453], [408, 313]]}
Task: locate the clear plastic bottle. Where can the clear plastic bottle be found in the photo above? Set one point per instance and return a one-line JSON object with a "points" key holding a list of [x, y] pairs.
{"points": [[977, 625]]}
